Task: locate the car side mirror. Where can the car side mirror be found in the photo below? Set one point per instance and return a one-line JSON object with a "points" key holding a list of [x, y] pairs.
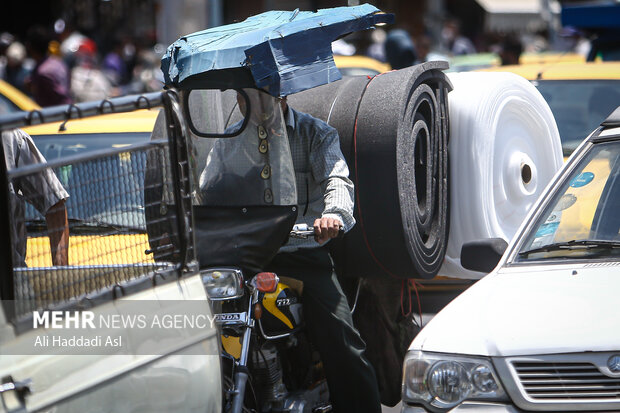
{"points": [[483, 255]]}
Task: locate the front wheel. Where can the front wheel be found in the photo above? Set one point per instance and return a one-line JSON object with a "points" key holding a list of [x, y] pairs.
{"points": [[250, 401]]}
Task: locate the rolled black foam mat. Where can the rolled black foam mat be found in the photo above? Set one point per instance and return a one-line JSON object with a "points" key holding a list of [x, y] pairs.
{"points": [[394, 135]]}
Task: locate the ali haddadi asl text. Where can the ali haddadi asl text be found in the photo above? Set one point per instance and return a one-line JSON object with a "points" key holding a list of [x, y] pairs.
{"points": [[78, 341]]}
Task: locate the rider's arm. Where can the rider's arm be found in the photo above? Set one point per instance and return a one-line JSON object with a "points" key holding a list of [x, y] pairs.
{"points": [[330, 170]]}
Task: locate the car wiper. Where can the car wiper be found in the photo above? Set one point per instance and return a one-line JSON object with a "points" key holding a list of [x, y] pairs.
{"points": [[572, 245]]}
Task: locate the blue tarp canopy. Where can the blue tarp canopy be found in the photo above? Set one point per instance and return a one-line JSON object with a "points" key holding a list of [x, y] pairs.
{"points": [[282, 51]]}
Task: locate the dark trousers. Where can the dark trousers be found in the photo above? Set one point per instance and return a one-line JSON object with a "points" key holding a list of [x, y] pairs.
{"points": [[351, 379]]}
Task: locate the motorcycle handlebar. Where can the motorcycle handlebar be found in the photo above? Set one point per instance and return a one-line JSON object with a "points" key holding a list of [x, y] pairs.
{"points": [[303, 231]]}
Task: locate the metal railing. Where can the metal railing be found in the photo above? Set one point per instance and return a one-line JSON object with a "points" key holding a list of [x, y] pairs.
{"points": [[128, 208]]}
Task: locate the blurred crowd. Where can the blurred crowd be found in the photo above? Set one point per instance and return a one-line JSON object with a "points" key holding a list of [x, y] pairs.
{"points": [[60, 65], [398, 48]]}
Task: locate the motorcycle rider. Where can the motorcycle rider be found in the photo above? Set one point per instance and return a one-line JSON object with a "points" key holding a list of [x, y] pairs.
{"points": [[324, 201]]}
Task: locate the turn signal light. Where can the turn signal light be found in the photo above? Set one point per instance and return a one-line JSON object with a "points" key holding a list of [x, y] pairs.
{"points": [[266, 282], [258, 311]]}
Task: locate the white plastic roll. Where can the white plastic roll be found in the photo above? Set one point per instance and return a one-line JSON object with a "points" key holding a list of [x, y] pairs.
{"points": [[504, 149]]}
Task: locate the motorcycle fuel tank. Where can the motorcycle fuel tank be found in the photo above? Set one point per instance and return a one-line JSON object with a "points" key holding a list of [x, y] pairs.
{"points": [[282, 312]]}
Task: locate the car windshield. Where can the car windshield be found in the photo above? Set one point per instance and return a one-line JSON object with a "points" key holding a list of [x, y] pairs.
{"points": [[579, 106], [120, 207], [582, 221]]}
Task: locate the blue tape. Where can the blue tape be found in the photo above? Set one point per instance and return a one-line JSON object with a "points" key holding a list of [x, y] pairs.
{"points": [[286, 52]]}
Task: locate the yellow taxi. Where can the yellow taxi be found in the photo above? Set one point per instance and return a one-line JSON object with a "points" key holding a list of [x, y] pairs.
{"points": [[360, 65], [580, 95], [12, 100], [102, 200], [551, 58]]}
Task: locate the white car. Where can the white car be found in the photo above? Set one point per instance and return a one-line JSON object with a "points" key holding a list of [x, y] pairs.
{"points": [[541, 332]]}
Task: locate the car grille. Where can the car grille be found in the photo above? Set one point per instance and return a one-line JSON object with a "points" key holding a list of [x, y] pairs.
{"points": [[566, 381]]}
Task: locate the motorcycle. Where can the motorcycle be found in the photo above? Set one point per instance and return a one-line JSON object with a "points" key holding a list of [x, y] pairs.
{"points": [[269, 364]]}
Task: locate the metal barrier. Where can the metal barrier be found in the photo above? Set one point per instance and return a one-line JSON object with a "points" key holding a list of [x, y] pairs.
{"points": [[128, 215]]}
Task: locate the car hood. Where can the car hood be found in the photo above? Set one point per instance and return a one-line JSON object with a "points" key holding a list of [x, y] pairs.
{"points": [[531, 310]]}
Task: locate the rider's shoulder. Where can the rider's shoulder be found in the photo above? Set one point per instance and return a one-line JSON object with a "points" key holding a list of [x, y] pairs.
{"points": [[311, 125]]}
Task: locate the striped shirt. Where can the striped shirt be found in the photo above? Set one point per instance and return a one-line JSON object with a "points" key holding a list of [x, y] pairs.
{"points": [[322, 175]]}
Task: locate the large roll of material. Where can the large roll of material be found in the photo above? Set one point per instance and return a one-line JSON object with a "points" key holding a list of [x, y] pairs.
{"points": [[504, 149], [394, 135]]}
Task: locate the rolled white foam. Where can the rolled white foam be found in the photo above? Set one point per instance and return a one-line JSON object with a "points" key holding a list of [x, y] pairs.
{"points": [[504, 149]]}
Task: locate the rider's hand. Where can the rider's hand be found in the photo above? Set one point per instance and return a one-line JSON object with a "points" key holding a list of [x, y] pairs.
{"points": [[326, 228]]}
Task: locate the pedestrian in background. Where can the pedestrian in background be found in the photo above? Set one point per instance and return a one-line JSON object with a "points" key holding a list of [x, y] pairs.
{"points": [[510, 52], [88, 82], [49, 82], [399, 49], [18, 66], [453, 42]]}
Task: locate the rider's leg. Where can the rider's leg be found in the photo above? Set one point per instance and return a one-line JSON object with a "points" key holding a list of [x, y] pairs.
{"points": [[351, 379]]}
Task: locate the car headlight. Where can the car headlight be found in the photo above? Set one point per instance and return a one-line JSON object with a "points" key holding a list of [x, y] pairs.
{"points": [[223, 283], [442, 381]]}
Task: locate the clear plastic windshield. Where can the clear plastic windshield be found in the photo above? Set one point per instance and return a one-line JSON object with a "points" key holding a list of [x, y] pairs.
{"points": [[253, 168], [245, 200]]}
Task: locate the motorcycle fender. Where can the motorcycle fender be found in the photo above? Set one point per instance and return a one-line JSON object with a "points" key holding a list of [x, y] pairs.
{"points": [[232, 345]]}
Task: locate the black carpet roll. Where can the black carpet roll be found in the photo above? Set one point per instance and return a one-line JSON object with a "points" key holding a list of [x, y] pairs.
{"points": [[394, 135]]}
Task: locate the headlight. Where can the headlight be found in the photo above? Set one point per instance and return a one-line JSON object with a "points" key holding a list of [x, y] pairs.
{"points": [[442, 381], [223, 283]]}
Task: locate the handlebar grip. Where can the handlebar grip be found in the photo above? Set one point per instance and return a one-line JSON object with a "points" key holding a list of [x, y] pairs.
{"points": [[309, 232]]}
